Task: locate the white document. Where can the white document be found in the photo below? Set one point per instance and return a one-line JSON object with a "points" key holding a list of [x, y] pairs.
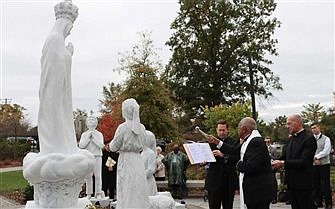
{"points": [[199, 152]]}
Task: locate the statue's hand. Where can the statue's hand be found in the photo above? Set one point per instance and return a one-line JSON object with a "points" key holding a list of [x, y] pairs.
{"points": [[69, 48], [90, 136]]}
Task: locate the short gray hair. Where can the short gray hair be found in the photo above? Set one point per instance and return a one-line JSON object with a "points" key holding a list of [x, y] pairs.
{"points": [[249, 123]]}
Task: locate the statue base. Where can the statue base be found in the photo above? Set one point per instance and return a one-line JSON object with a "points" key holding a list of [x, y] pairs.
{"points": [[82, 203], [104, 202], [57, 178]]}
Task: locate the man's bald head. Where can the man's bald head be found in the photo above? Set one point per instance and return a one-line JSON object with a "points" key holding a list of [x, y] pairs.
{"points": [[294, 123]]}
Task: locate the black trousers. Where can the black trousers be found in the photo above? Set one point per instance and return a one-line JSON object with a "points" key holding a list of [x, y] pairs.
{"points": [[224, 196], [321, 183], [301, 199], [262, 205]]}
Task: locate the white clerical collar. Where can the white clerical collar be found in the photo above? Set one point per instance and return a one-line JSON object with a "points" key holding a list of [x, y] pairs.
{"points": [[296, 133]]}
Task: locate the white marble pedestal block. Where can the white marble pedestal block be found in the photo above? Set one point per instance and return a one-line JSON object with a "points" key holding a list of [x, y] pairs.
{"points": [[81, 204], [57, 178], [104, 202]]}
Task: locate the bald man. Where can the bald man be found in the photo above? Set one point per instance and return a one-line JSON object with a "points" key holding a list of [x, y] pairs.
{"points": [[298, 163], [257, 184]]}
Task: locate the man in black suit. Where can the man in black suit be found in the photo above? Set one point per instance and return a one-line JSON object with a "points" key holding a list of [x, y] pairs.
{"points": [[109, 173], [298, 163], [256, 179], [221, 180]]}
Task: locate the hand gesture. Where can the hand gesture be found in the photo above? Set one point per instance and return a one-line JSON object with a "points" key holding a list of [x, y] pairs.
{"points": [[213, 139], [217, 153], [69, 48], [276, 164]]}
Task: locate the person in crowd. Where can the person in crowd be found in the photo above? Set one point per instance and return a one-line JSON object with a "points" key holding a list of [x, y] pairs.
{"points": [[221, 181], [256, 179], [131, 191], [160, 168], [93, 141], [176, 163], [321, 168], [298, 163], [273, 156], [109, 172]]}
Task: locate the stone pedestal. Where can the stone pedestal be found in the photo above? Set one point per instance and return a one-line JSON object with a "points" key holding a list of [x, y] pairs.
{"points": [[81, 204], [57, 178], [104, 202]]}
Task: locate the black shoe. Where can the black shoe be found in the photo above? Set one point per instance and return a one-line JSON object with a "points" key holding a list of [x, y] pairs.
{"points": [[288, 202]]}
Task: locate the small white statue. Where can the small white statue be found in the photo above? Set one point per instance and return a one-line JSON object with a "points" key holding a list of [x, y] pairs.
{"points": [[92, 140], [131, 189], [149, 158]]}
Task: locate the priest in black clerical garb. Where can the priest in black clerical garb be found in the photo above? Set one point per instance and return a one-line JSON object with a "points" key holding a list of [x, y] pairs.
{"points": [[222, 181]]}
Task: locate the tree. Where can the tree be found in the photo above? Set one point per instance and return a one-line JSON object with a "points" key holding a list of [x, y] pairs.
{"points": [[155, 101], [327, 126], [141, 54], [231, 113], [312, 113], [12, 121], [79, 117], [143, 84], [111, 116], [277, 130], [212, 45], [108, 124]]}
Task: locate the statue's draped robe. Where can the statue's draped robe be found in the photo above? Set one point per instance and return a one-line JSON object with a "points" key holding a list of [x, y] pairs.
{"points": [[131, 181], [55, 116], [131, 186]]}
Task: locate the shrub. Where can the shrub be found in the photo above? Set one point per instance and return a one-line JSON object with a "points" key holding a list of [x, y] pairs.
{"points": [[28, 193]]}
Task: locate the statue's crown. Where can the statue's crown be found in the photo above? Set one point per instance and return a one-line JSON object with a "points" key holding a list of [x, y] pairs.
{"points": [[66, 10]]}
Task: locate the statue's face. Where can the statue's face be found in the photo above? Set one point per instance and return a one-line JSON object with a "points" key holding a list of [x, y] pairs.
{"points": [[91, 123]]}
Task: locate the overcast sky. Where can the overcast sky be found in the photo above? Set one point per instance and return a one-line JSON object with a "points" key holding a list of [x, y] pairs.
{"points": [[104, 28]]}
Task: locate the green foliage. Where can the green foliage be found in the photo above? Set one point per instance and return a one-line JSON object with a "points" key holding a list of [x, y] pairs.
{"points": [[277, 130], [155, 101], [231, 113], [212, 43], [143, 84], [28, 193], [13, 150], [12, 180], [312, 113], [327, 126], [12, 120]]}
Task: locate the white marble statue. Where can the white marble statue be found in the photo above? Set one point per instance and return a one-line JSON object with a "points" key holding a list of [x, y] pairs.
{"points": [[59, 169], [131, 180], [93, 141], [150, 164]]}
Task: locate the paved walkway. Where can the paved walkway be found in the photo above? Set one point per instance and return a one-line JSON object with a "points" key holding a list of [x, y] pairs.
{"points": [[198, 203], [7, 203], [191, 203], [11, 169]]}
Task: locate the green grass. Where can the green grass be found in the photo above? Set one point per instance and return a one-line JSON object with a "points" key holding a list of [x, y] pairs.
{"points": [[12, 180]]}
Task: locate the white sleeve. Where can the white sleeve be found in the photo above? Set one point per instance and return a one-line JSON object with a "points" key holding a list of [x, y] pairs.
{"points": [[325, 151], [220, 144]]}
